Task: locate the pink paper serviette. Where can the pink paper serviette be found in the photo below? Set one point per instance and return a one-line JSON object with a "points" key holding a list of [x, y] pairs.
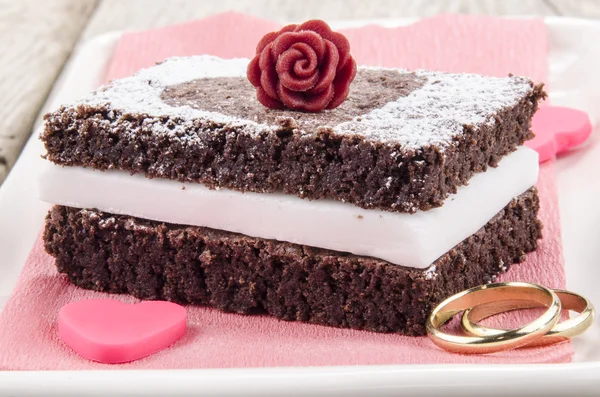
{"points": [[454, 43], [28, 337]]}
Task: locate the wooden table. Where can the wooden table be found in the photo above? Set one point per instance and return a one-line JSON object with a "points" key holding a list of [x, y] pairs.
{"points": [[37, 37]]}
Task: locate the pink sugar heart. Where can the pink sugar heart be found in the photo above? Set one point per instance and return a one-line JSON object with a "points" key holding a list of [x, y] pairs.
{"points": [[558, 129], [112, 332]]}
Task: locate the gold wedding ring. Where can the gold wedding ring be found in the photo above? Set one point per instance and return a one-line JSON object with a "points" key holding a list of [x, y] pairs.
{"points": [[560, 332], [503, 339]]}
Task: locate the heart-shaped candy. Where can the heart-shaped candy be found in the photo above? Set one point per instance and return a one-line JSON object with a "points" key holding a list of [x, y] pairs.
{"points": [[109, 331], [558, 129]]}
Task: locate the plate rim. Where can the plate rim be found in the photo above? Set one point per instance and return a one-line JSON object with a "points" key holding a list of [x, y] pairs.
{"points": [[389, 377]]}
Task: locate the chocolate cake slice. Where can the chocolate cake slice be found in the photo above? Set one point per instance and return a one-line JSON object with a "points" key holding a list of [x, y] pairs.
{"points": [[177, 184], [237, 273], [402, 141]]}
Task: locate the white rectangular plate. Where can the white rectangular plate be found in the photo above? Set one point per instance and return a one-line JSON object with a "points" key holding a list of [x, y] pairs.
{"points": [[574, 81]]}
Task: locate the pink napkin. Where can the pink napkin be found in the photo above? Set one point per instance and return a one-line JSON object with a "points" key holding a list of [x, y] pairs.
{"points": [[456, 43], [28, 337]]}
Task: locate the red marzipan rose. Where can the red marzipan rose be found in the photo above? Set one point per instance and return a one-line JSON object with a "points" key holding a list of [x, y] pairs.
{"points": [[303, 67]]}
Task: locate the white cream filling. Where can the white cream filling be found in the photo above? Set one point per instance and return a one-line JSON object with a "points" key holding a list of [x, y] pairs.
{"points": [[413, 240]]}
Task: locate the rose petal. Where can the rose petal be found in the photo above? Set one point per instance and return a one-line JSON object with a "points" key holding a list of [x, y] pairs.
{"points": [[267, 100], [253, 72], [268, 77], [323, 29], [269, 37], [307, 67], [286, 40], [341, 83], [343, 46], [328, 68], [288, 28], [303, 68], [265, 41], [301, 101], [285, 67]]}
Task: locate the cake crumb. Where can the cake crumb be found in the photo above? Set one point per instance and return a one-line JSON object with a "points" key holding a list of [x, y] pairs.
{"points": [[431, 273], [502, 267]]}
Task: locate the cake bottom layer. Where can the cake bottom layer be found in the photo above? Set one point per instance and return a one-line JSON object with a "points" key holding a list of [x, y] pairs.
{"points": [[237, 273]]}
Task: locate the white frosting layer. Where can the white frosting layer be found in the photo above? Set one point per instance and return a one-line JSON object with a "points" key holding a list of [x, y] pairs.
{"points": [[414, 240], [431, 115]]}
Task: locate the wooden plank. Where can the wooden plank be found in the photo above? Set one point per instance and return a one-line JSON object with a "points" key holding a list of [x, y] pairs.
{"points": [[143, 14], [577, 8], [36, 38]]}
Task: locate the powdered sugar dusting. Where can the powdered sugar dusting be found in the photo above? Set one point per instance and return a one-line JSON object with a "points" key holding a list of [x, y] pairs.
{"points": [[141, 93], [432, 115], [438, 112]]}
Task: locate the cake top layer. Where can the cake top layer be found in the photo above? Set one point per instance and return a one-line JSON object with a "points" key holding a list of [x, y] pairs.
{"points": [[413, 109]]}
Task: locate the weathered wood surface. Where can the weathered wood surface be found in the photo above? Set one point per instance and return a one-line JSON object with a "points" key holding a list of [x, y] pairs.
{"points": [[142, 14], [36, 38]]}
